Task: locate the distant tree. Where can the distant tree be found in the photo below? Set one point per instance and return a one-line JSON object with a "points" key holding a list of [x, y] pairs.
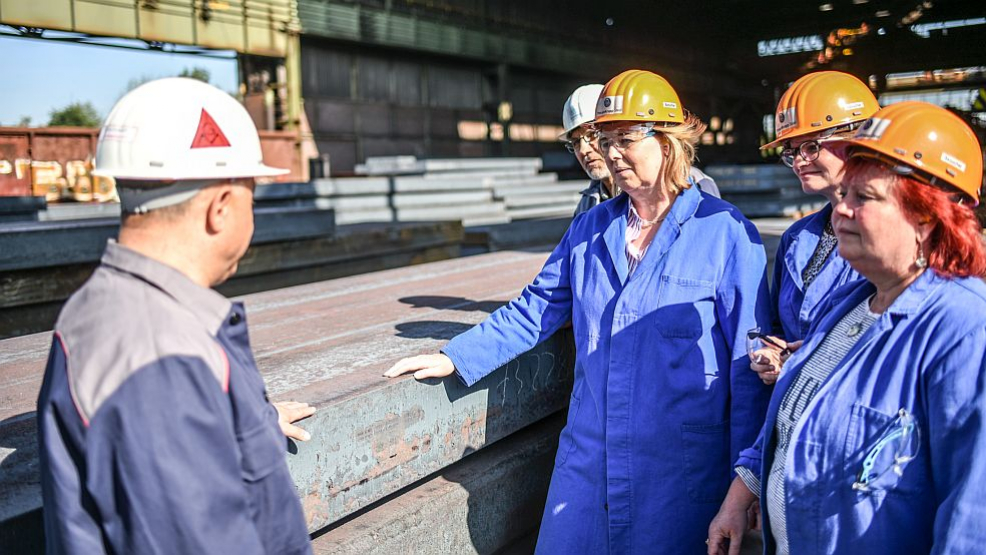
{"points": [[199, 73], [25, 121], [136, 82], [78, 114]]}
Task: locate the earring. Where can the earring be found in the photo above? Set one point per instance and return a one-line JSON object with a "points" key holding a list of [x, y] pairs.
{"points": [[921, 262]]}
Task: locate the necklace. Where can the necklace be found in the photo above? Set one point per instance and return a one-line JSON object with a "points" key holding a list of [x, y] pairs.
{"points": [[648, 223]]}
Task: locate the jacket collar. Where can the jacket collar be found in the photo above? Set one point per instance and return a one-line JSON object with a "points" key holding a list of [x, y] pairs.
{"points": [[595, 189], [682, 210], [908, 302], [207, 305]]}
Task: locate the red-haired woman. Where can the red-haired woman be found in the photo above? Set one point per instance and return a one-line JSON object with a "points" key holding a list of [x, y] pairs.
{"points": [[874, 440]]}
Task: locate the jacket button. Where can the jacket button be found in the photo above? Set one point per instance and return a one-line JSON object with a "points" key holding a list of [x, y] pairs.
{"points": [[235, 318]]}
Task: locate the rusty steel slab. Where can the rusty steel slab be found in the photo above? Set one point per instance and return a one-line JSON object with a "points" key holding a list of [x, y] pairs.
{"points": [[487, 503], [327, 343]]}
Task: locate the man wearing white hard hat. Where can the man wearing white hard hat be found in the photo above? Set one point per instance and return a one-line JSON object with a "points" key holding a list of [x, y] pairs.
{"points": [[155, 430], [580, 109], [579, 138]]}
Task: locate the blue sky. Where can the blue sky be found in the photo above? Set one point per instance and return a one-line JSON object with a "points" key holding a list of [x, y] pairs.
{"points": [[40, 75]]}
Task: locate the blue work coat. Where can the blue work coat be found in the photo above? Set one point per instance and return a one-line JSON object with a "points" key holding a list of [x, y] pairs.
{"points": [[795, 308], [924, 354], [663, 394]]}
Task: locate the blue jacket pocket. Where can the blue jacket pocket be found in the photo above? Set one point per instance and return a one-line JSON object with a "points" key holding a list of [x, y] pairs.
{"points": [[261, 451], [875, 447], [683, 306], [705, 450], [566, 443]]}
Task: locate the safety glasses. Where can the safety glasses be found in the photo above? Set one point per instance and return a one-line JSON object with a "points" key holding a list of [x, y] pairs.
{"points": [[587, 138], [885, 461], [755, 340], [622, 140]]}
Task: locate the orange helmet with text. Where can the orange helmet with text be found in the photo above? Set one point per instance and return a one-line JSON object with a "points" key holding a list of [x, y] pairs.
{"points": [[639, 95], [820, 101], [926, 142]]}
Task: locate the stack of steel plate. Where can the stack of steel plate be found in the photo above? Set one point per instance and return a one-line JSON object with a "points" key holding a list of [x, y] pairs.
{"points": [[764, 190]]}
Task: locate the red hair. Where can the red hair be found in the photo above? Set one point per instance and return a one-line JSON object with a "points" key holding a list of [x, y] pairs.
{"points": [[955, 245]]}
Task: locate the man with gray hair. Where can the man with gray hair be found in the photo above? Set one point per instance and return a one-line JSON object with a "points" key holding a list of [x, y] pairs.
{"points": [[155, 431], [577, 116], [579, 111]]}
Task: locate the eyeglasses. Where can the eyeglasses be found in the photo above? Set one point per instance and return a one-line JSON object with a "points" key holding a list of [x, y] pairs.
{"points": [[587, 138], [621, 141], [808, 151], [898, 445]]}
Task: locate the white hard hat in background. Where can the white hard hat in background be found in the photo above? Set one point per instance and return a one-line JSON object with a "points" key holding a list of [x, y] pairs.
{"points": [[179, 129], [580, 108]]}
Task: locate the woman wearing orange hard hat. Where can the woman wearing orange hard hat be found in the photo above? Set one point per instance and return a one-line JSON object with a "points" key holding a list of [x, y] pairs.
{"points": [[816, 111], [661, 284], [875, 439]]}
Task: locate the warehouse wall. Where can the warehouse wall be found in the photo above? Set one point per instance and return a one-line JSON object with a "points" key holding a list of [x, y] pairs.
{"points": [[363, 101]]}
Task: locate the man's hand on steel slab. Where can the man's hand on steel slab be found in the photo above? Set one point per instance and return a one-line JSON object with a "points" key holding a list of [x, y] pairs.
{"points": [[423, 366], [289, 412]]}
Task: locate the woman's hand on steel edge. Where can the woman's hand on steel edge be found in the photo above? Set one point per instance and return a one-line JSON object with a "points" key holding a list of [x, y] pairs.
{"points": [[289, 412], [732, 521], [768, 361], [423, 366]]}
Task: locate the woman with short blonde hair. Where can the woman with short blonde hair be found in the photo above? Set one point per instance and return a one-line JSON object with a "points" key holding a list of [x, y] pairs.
{"points": [[661, 284]]}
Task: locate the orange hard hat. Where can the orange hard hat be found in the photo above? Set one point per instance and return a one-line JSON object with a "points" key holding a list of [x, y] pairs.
{"points": [[639, 95], [925, 141], [820, 101]]}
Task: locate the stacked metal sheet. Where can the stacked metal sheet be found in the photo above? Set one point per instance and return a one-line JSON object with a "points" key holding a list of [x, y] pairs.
{"points": [[477, 191], [764, 190]]}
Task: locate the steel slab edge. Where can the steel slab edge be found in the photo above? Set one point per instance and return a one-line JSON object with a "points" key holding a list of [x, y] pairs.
{"points": [[328, 343], [373, 444]]}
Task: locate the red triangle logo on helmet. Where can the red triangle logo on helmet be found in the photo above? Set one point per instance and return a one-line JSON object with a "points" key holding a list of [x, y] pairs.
{"points": [[208, 134]]}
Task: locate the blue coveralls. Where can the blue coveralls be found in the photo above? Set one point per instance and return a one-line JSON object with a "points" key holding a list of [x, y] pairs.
{"points": [[663, 395], [794, 307], [926, 354]]}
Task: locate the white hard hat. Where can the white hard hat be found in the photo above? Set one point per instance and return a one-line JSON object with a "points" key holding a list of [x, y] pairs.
{"points": [[580, 108], [179, 129]]}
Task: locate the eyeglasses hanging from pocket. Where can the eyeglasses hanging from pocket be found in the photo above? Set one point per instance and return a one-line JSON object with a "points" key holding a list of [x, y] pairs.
{"points": [[886, 460]]}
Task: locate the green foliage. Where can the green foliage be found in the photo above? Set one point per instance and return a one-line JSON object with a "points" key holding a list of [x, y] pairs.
{"points": [[199, 73], [76, 114]]}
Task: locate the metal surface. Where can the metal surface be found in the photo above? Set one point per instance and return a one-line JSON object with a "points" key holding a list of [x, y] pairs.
{"points": [[487, 502], [251, 26], [21, 209], [396, 165], [57, 243], [764, 190], [30, 299], [328, 343]]}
